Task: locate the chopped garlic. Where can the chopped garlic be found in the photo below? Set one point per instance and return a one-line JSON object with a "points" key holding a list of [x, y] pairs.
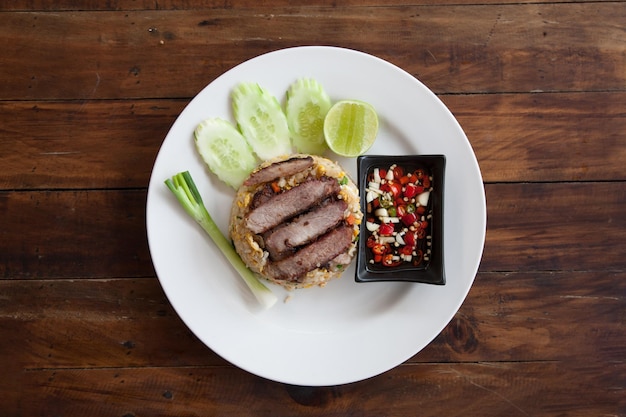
{"points": [[371, 226], [381, 212], [423, 198]]}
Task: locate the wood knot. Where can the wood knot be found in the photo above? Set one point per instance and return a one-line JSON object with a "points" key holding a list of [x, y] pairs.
{"points": [[460, 335], [311, 396]]}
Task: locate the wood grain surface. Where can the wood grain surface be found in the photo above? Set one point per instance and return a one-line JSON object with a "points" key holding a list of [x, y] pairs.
{"points": [[90, 89]]}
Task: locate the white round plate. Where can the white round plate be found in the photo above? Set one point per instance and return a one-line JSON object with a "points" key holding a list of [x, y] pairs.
{"points": [[346, 331]]}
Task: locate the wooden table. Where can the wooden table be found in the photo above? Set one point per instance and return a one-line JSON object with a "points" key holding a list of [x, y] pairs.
{"points": [[89, 90]]}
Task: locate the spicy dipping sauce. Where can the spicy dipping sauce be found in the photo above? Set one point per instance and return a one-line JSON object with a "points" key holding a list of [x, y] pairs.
{"points": [[398, 215], [402, 211]]}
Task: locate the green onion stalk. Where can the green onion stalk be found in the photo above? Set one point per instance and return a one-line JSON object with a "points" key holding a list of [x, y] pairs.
{"points": [[186, 192]]}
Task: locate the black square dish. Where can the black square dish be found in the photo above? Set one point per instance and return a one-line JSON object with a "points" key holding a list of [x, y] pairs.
{"points": [[401, 237]]}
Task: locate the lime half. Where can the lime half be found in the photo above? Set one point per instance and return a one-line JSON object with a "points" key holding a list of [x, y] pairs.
{"points": [[350, 127]]}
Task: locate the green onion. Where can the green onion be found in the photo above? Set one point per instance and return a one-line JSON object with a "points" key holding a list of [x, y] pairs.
{"points": [[185, 190]]}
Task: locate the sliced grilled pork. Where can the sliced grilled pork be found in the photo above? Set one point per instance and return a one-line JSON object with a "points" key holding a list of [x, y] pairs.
{"points": [[276, 170], [284, 206], [312, 256], [262, 196], [343, 259], [281, 241]]}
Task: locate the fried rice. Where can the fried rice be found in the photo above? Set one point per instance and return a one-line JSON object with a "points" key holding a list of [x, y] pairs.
{"points": [[251, 247]]}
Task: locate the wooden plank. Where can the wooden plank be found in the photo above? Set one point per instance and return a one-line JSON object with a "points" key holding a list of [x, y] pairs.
{"points": [[545, 137], [508, 48], [486, 389], [122, 323], [121, 5], [73, 234], [516, 137], [95, 323], [92, 144], [584, 228], [528, 316], [93, 234]]}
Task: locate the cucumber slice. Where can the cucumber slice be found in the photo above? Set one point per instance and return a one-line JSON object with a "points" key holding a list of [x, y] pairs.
{"points": [[225, 151], [306, 107], [261, 120]]}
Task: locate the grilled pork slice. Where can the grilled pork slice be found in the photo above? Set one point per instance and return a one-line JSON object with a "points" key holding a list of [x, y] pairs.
{"points": [[283, 206], [276, 170], [281, 241], [263, 194], [312, 256]]}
